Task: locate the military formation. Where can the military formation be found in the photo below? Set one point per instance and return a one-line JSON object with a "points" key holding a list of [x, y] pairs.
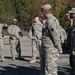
{"points": [[48, 38]]}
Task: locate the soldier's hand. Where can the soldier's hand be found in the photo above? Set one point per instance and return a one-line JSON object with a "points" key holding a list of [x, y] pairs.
{"points": [[60, 51], [15, 35], [30, 37]]}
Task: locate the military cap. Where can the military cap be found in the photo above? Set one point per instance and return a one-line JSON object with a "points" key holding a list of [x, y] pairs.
{"points": [[14, 19], [70, 11], [46, 7], [67, 14], [73, 9]]}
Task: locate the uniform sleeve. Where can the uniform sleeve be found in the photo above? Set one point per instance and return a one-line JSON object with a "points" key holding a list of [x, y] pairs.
{"points": [[10, 31], [65, 35], [5, 25], [1, 25], [55, 33], [19, 30], [30, 33]]}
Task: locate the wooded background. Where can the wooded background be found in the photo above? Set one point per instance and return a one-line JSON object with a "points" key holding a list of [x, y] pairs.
{"points": [[24, 10]]}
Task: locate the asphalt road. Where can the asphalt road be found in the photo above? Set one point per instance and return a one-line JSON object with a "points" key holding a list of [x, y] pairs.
{"points": [[17, 67]]}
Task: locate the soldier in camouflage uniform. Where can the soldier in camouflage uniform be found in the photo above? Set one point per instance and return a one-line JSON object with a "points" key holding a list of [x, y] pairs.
{"points": [[15, 37], [1, 42], [71, 39], [63, 36], [42, 64], [36, 35], [51, 46]]}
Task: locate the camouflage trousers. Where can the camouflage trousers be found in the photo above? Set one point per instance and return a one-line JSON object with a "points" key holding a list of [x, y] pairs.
{"points": [[15, 46], [36, 45], [1, 48], [49, 62]]}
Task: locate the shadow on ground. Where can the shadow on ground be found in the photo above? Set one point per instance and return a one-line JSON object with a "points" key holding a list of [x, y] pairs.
{"points": [[31, 70], [19, 70], [64, 71], [24, 58]]}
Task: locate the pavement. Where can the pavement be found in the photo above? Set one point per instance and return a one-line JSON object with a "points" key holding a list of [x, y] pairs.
{"points": [[18, 67]]}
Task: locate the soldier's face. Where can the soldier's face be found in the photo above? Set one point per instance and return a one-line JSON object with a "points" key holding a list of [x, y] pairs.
{"points": [[36, 19], [68, 17], [71, 15], [46, 13], [60, 27], [14, 22]]}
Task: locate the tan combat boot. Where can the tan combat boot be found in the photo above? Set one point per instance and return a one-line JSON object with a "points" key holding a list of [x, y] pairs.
{"points": [[2, 59], [33, 61], [13, 58]]}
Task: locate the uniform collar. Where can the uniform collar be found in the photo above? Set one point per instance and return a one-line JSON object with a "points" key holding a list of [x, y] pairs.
{"points": [[13, 25], [49, 17]]}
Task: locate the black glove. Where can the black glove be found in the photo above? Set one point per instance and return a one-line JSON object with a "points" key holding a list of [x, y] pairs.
{"points": [[20, 34]]}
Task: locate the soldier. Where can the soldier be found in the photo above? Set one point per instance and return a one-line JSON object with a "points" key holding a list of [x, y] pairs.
{"points": [[63, 37], [43, 20], [15, 36], [1, 42], [51, 46], [68, 16], [71, 17], [36, 35], [72, 42]]}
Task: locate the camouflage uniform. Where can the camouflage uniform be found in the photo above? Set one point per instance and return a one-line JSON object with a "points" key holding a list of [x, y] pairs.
{"points": [[36, 35], [63, 35], [14, 41], [1, 42], [50, 46], [63, 38]]}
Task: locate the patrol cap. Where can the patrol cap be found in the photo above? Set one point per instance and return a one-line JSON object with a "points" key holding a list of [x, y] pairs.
{"points": [[14, 19], [67, 14], [46, 7], [73, 9], [70, 11]]}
